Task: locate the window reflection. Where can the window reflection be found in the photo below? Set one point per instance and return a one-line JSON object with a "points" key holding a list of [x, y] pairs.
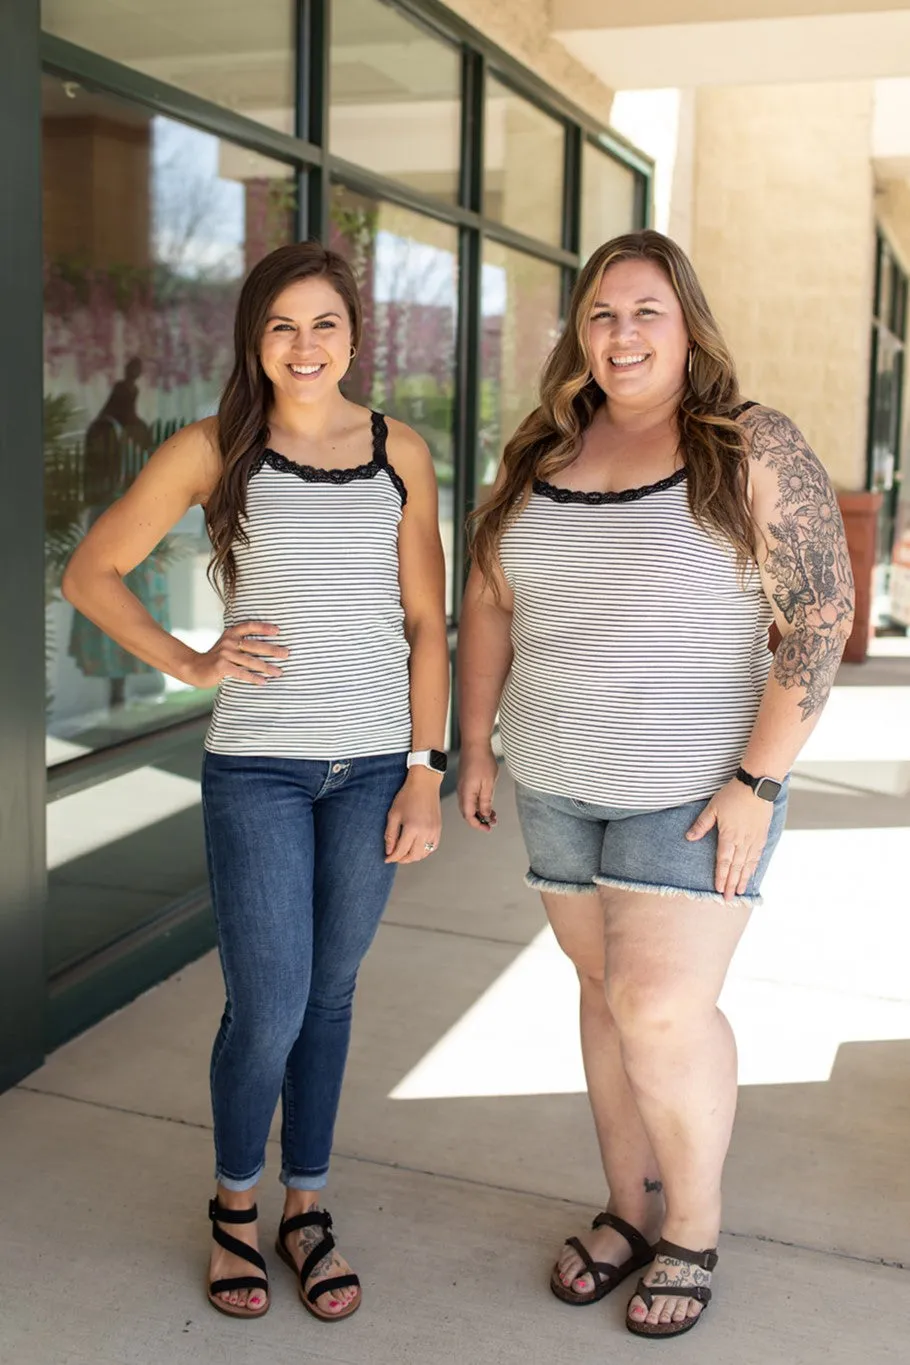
{"points": [[608, 199], [520, 324], [120, 853], [524, 154], [238, 56], [407, 269], [149, 228], [396, 97]]}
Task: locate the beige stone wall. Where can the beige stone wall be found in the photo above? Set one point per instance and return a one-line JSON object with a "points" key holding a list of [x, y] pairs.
{"points": [[783, 240], [522, 27]]}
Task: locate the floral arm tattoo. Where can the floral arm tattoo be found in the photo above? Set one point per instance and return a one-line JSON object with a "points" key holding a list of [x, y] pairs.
{"points": [[806, 567]]}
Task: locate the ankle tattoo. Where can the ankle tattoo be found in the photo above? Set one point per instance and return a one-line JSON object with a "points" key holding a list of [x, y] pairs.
{"points": [[653, 1186]]}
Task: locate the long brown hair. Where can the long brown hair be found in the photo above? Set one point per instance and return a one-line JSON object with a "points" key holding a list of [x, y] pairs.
{"points": [[243, 414], [549, 438]]}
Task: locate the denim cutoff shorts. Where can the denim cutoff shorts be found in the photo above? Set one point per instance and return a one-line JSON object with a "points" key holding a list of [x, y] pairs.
{"points": [[576, 846]]}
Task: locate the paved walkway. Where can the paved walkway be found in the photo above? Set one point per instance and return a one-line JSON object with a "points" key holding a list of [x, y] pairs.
{"points": [[465, 1151]]}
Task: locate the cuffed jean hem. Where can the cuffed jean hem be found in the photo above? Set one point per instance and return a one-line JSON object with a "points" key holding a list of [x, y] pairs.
{"points": [[236, 1186], [750, 902], [559, 888], [317, 1180]]}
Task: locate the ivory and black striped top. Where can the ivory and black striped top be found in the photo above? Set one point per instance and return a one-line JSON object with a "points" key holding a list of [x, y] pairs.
{"points": [[640, 657], [322, 565]]}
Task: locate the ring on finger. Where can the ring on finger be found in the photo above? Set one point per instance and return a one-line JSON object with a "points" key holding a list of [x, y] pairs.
{"points": [[430, 848]]}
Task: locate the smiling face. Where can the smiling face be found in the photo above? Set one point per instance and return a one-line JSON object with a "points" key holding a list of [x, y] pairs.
{"points": [[306, 345], [638, 342]]}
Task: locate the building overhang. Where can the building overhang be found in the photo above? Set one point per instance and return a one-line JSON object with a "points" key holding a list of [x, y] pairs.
{"points": [[661, 43]]}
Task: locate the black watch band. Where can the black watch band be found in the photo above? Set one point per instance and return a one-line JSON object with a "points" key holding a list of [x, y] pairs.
{"points": [[768, 788]]}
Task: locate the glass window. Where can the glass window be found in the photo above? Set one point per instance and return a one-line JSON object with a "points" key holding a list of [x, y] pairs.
{"points": [[120, 853], [520, 324], [407, 269], [149, 228], [608, 199], [524, 154], [396, 97], [885, 282], [238, 56]]}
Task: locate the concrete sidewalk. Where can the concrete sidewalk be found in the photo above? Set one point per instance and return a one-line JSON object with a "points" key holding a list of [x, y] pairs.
{"points": [[465, 1149]]}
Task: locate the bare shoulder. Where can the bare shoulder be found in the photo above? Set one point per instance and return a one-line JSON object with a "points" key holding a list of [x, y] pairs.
{"points": [[192, 457], [409, 455], [770, 433], [783, 464], [407, 449]]}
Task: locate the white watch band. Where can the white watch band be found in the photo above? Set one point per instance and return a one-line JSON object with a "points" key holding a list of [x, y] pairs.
{"points": [[419, 758]]}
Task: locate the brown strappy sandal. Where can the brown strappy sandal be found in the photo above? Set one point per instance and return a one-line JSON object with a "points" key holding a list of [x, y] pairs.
{"points": [[605, 1276], [704, 1260], [322, 1219], [217, 1214]]}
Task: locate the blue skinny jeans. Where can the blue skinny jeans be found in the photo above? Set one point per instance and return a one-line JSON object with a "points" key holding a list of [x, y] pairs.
{"points": [[299, 883]]}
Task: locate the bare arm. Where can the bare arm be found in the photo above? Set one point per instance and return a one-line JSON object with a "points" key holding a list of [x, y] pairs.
{"points": [[178, 476], [484, 660], [415, 818], [806, 574]]}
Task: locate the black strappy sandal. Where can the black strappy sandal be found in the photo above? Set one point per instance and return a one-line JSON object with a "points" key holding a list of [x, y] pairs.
{"points": [[218, 1214], [605, 1276], [322, 1219], [704, 1260]]}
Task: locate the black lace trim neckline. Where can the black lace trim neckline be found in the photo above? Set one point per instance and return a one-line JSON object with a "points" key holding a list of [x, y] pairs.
{"points": [[310, 474], [564, 495]]}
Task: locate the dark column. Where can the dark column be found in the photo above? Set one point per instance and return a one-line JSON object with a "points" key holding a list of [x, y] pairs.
{"points": [[22, 856]]}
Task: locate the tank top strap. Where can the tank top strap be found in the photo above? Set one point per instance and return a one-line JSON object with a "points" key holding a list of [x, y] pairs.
{"points": [[381, 454], [380, 437], [743, 407]]}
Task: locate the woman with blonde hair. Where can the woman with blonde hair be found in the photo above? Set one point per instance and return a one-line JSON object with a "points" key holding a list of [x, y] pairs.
{"points": [[646, 528]]}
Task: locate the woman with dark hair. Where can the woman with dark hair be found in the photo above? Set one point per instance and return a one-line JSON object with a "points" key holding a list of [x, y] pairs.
{"points": [[323, 759], [646, 528]]}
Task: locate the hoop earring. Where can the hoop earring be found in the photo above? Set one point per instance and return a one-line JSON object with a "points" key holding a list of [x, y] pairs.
{"points": [[353, 352]]}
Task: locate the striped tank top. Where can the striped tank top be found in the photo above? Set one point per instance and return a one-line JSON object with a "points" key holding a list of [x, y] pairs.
{"points": [[321, 563], [640, 657]]}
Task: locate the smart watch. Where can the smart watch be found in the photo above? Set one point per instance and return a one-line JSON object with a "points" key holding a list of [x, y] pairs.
{"points": [[768, 788], [434, 759]]}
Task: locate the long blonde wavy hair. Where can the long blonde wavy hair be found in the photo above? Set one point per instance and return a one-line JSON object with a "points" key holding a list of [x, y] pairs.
{"points": [[549, 438]]}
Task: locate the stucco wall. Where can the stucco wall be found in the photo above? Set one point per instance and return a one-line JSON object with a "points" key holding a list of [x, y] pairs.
{"points": [[522, 27], [783, 239]]}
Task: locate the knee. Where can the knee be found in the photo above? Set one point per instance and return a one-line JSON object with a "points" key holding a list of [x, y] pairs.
{"points": [[589, 966], [267, 1021], [593, 986], [331, 995], [654, 1010]]}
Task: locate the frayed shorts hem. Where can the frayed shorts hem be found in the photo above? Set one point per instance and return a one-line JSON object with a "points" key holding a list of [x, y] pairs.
{"points": [[559, 888], [316, 1180], [650, 888]]}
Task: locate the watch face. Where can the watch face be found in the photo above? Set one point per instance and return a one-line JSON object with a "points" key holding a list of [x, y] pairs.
{"points": [[768, 789], [438, 760]]}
